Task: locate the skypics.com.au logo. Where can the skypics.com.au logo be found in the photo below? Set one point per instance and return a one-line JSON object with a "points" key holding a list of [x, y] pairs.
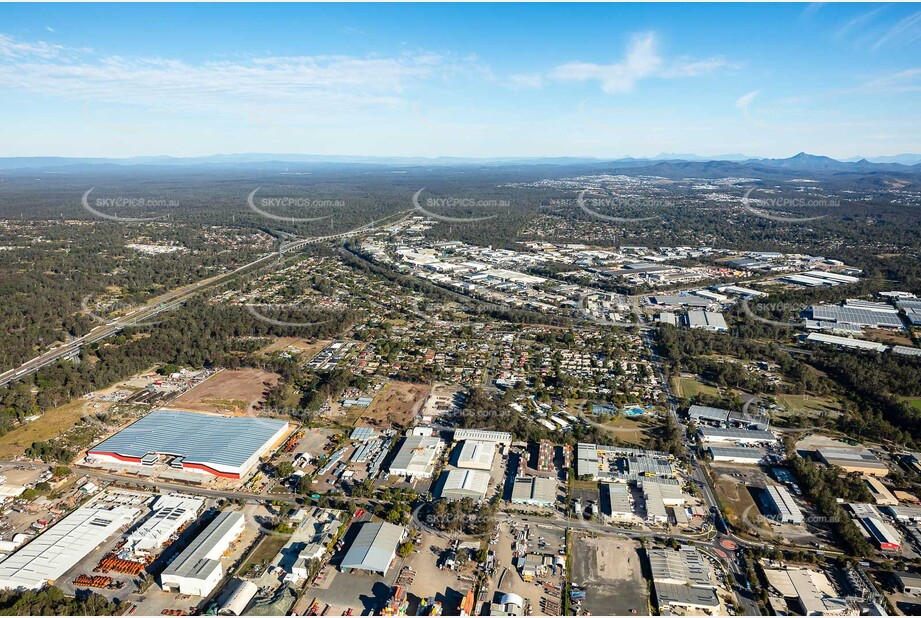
{"points": [[108, 207], [456, 203], [592, 205], [288, 202], [785, 203]]}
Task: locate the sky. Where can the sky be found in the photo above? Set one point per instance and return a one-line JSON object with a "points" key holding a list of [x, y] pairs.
{"points": [[464, 80]]}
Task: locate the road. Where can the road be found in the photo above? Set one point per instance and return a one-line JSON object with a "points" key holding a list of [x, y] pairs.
{"points": [[721, 544], [168, 301]]}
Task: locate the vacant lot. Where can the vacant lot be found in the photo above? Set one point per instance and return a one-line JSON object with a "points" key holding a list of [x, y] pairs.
{"points": [[808, 406], [631, 431], [735, 498], [305, 347], [610, 572], [688, 387], [396, 405], [49, 425], [228, 391]]}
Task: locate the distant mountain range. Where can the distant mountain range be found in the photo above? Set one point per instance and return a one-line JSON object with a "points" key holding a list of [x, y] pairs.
{"points": [[731, 163]]}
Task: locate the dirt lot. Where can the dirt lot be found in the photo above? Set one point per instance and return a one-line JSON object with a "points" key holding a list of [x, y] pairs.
{"points": [[228, 391], [734, 494], [610, 571], [307, 348], [396, 404]]}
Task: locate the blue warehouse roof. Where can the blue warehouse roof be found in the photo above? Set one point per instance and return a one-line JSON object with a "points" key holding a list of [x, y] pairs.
{"points": [[201, 438]]}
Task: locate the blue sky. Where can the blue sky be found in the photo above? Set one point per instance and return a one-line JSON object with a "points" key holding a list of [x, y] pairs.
{"points": [[460, 80]]}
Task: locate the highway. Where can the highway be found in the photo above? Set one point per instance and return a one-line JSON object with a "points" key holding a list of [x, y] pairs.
{"points": [[168, 301]]}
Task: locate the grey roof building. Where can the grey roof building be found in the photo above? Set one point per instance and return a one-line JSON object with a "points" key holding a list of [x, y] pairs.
{"points": [[227, 446], [457, 484], [373, 548], [197, 569], [533, 490]]}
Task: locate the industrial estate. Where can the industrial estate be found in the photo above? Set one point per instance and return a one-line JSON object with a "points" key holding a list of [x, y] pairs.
{"points": [[340, 384]]}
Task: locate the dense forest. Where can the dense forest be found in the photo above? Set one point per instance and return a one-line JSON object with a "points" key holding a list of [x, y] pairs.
{"points": [[196, 335]]}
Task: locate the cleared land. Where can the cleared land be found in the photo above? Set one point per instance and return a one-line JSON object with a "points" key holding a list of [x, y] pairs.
{"points": [[629, 430], [688, 387], [396, 405], [609, 569], [227, 392], [808, 405], [49, 425], [735, 498], [308, 348]]}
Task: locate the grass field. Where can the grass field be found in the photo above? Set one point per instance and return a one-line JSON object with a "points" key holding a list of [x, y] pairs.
{"points": [[688, 387], [914, 402], [628, 430], [735, 499], [808, 405], [267, 549], [49, 425]]}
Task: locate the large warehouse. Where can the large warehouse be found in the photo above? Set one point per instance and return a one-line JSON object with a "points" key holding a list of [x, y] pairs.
{"points": [[853, 460], [718, 435], [374, 548], [170, 514], [225, 446], [59, 548], [483, 435], [476, 454], [458, 484], [416, 457], [197, 569]]}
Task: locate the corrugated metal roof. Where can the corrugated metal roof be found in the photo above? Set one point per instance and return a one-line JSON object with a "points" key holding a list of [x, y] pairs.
{"points": [[228, 441], [59, 548], [198, 559], [373, 547]]}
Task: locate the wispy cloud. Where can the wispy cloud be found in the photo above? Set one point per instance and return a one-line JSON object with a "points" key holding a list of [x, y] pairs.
{"points": [[642, 61], [906, 30], [305, 83], [857, 22], [11, 48], [908, 80], [811, 9], [745, 101]]}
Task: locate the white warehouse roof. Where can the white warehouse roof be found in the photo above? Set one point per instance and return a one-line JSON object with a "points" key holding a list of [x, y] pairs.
{"points": [[483, 435], [59, 548], [476, 454], [464, 484], [417, 456], [170, 514]]}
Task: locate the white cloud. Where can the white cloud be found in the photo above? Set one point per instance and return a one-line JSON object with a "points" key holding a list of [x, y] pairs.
{"points": [[907, 30], [642, 61], [303, 83], [745, 101], [10, 48], [859, 21], [908, 80]]}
